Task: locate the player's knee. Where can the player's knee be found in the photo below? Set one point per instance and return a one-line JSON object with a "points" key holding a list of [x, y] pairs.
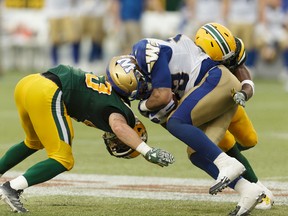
{"points": [[250, 141], [67, 162]]}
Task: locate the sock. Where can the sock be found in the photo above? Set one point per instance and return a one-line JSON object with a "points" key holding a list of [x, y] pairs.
{"points": [[76, 52], [242, 148], [15, 155], [43, 171], [54, 54], [241, 185], [285, 58], [19, 183], [193, 137], [96, 52], [251, 58], [209, 167], [206, 165], [249, 174]]}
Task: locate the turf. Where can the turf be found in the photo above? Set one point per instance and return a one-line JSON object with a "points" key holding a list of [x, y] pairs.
{"points": [[267, 110]]}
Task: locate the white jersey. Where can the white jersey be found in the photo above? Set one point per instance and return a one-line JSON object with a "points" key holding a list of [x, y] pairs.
{"points": [[97, 8], [273, 30], [243, 11], [182, 56], [208, 11], [58, 8]]}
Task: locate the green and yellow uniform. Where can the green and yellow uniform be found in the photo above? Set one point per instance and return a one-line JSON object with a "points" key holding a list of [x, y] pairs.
{"points": [[46, 103]]}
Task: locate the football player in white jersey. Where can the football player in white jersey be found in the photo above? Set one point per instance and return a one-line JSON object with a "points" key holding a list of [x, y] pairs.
{"points": [[157, 71], [272, 35], [196, 13]]}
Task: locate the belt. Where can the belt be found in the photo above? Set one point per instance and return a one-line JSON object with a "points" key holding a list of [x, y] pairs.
{"points": [[54, 78]]}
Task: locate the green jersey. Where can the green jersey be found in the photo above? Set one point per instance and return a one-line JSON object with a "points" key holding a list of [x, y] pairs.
{"points": [[89, 98]]}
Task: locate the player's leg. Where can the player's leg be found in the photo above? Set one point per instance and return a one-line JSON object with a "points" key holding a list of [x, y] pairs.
{"points": [[54, 129], [242, 129], [203, 104], [51, 128], [250, 193]]}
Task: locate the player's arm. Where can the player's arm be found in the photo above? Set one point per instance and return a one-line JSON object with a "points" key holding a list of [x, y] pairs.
{"points": [[159, 105], [159, 98], [123, 131], [127, 135], [243, 75]]}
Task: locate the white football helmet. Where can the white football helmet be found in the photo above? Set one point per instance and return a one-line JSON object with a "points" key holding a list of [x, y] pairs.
{"points": [[119, 149], [126, 78]]}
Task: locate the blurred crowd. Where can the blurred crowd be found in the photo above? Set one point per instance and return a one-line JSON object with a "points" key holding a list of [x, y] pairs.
{"points": [[41, 33]]}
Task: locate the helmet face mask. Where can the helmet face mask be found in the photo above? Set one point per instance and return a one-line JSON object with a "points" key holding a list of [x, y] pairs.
{"points": [[126, 79], [217, 42], [119, 149], [144, 87]]}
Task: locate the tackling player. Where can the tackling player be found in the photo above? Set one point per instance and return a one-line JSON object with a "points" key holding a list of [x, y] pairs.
{"points": [[241, 133], [158, 69], [46, 103]]}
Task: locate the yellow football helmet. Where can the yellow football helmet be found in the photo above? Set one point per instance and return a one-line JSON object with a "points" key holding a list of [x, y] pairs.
{"points": [[217, 41], [119, 149], [240, 51], [125, 77]]}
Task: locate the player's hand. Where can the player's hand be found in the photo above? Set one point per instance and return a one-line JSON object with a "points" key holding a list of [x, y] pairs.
{"points": [[240, 98], [159, 157], [160, 116]]}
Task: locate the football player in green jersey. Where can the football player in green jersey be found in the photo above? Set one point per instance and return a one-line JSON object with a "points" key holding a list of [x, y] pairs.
{"points": [[46, 103]]}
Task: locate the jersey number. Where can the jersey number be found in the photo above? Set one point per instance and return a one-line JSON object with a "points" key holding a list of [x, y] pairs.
{"points": [[93, 82]]}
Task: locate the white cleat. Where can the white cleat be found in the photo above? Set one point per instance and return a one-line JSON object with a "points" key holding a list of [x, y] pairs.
{"points": [[231, 169], [267, 202], [252, 195]]}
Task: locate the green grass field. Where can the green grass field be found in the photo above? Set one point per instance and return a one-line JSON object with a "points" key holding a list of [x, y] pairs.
{"points": [[267, 110]]}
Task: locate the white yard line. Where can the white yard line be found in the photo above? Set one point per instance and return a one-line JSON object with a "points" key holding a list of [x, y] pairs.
{"points": [[142, 187]]}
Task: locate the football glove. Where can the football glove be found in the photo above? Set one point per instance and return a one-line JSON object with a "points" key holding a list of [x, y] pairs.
{"points": [[159, 157], [240, 98], [160, 116]]}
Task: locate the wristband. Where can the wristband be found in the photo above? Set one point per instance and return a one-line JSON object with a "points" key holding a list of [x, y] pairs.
{"points": [[143, 148], [143, 106], [245, 95], [249, 82]]}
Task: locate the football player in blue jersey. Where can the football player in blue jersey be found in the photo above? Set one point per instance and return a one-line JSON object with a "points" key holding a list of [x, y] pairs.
{"points": [[163, 71]]}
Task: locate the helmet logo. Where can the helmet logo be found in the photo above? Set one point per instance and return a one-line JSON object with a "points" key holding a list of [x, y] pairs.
{"points": [[152, 53], [126, 64]]}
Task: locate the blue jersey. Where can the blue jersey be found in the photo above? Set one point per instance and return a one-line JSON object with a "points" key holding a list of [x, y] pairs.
{"points": [[177, 63]]}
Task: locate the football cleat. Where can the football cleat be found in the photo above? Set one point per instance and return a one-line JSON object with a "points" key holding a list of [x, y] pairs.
{"points": [[252, 195], [12, 198], [231, 169], [267, 202]]}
